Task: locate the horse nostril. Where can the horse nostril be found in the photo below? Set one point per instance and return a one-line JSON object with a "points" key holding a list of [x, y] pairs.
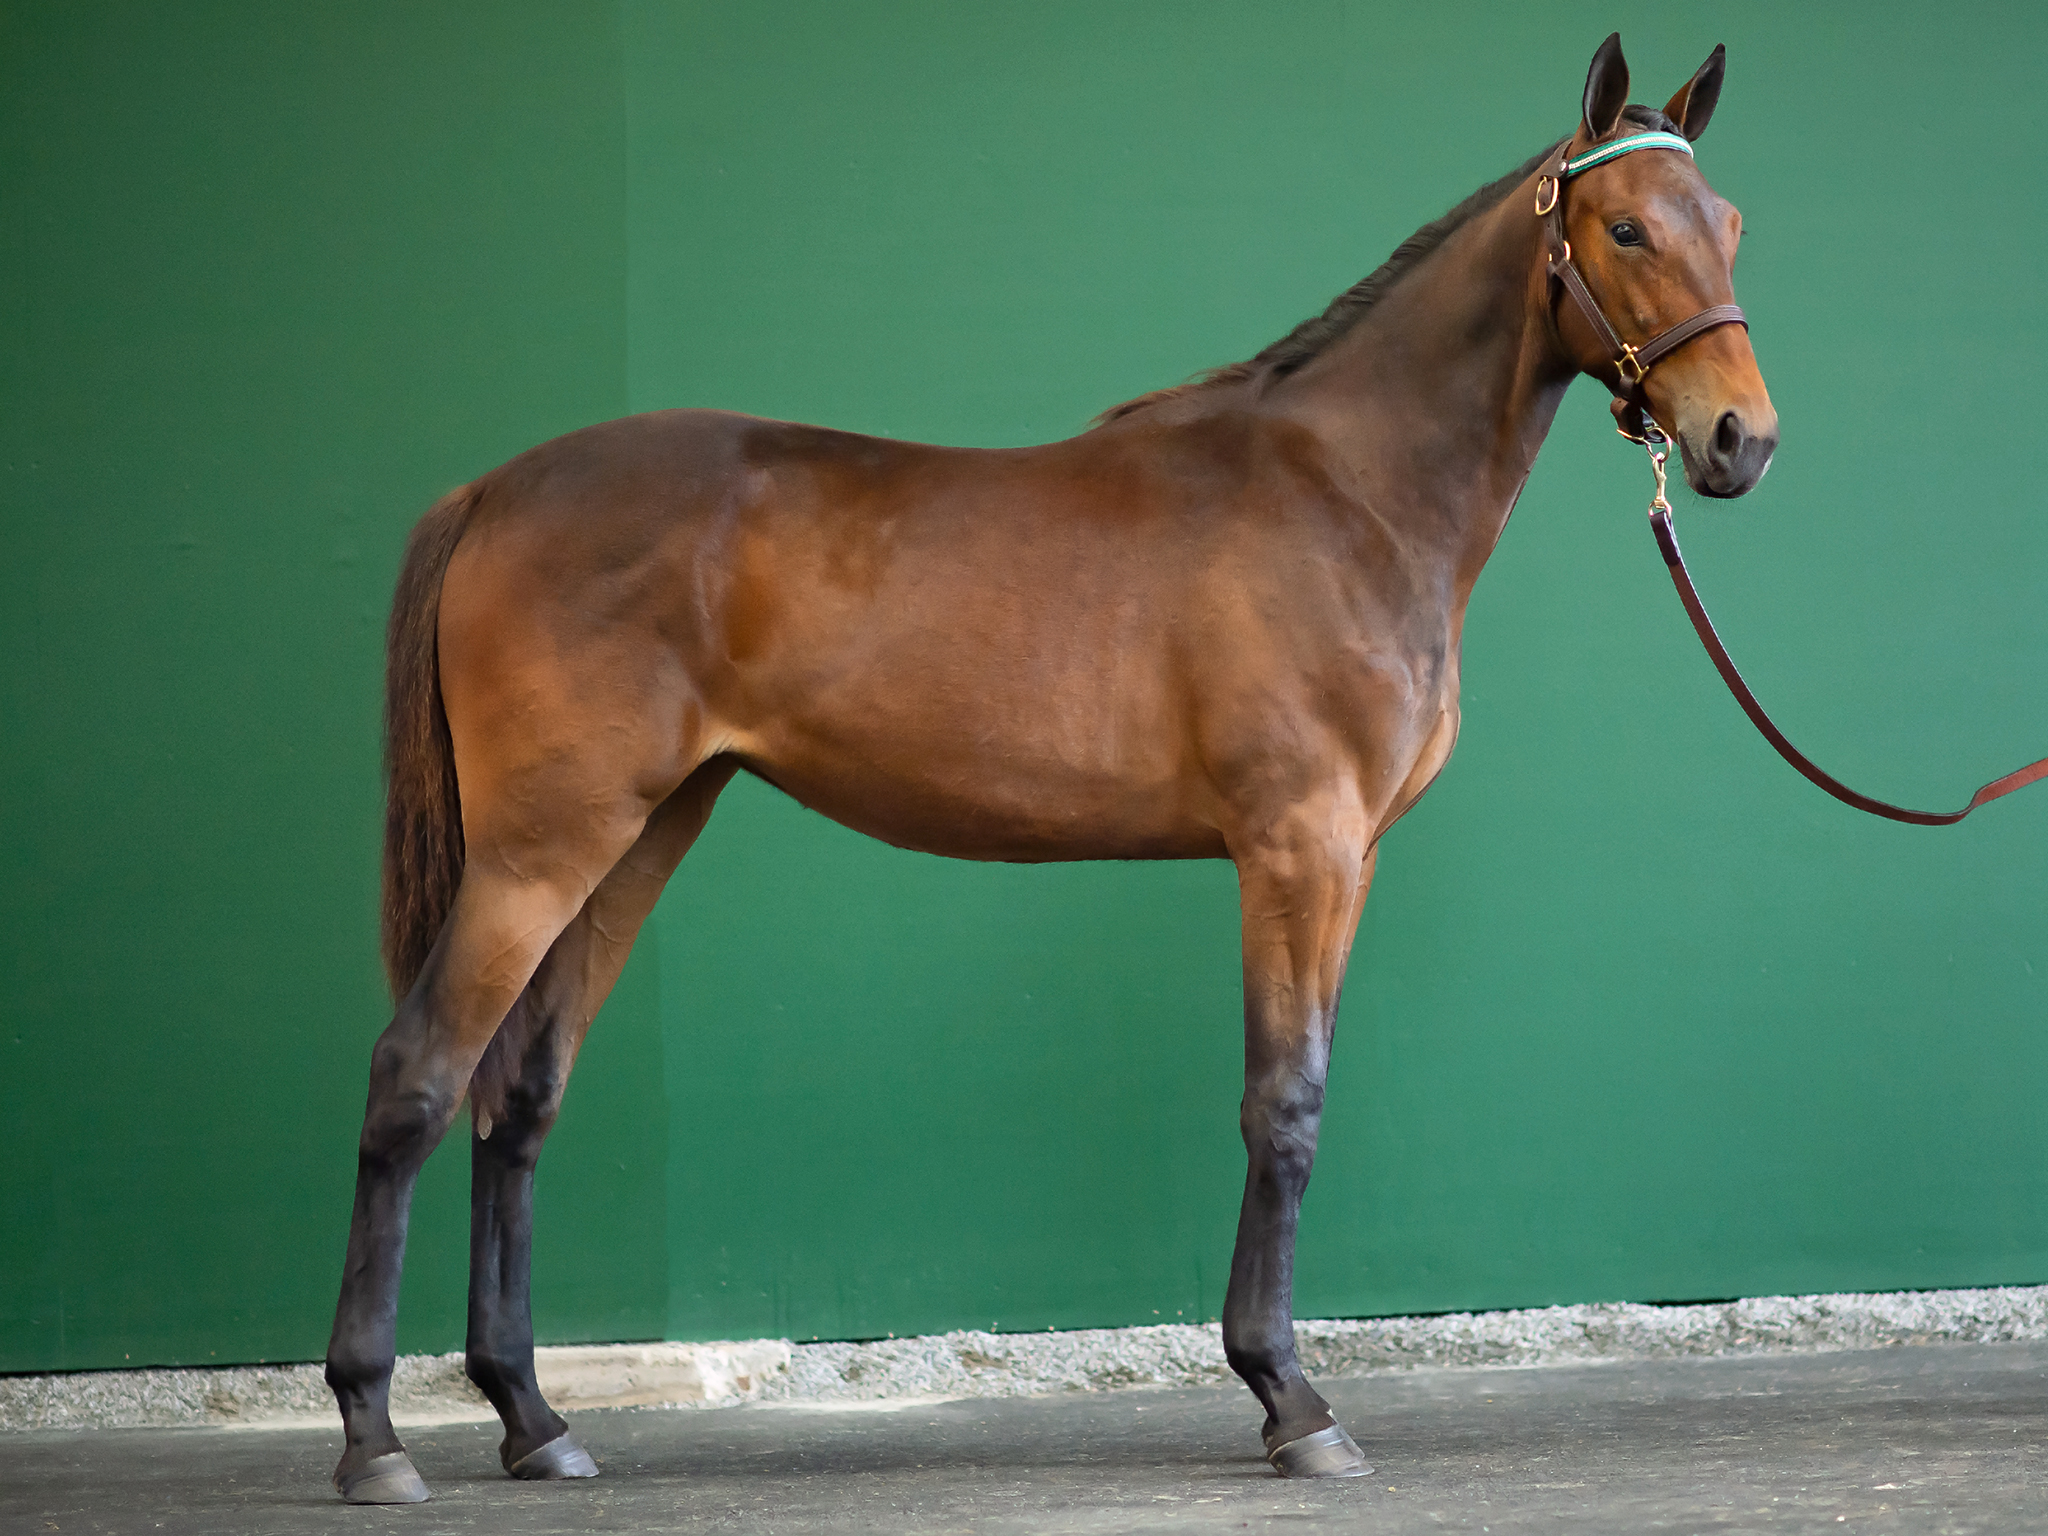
{"points": [[1728, 436]]}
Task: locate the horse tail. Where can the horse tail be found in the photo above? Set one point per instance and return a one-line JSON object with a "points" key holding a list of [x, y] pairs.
{"points": [[422, 805]]}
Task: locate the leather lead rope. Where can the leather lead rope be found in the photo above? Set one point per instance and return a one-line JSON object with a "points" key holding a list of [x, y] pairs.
{"points": [[1681, 578], [1632, 415]]}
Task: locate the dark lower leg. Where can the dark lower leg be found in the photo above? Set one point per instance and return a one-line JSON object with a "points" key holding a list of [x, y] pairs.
{"points": [[1280, 1124], [408, 1111], [1302, 888], [500, 1344], [363, 1347]]}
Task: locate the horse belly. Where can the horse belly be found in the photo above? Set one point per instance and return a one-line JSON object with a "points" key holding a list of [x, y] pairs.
{"points": [[966, 655], [1018, 785]]}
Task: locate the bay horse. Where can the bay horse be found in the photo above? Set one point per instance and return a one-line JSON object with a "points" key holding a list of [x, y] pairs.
{"points": [[1222, 623]]}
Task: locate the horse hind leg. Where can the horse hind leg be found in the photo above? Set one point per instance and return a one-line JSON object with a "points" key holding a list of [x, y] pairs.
{"points": [[506, 914], [517, 1095], [535, 1047]]}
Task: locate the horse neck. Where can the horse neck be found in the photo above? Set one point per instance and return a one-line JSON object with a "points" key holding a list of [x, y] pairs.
{"points": [[1434, 404]]}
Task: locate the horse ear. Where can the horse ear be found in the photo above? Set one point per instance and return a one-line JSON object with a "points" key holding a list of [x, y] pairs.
{"points": [[1694, 103], [1606, 88]]}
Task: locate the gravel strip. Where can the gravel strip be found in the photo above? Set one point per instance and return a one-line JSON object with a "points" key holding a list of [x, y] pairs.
{"points": [[431, 1388]]}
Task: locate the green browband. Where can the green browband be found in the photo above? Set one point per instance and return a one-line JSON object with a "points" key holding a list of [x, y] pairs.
{"points": [[1602, 153]]}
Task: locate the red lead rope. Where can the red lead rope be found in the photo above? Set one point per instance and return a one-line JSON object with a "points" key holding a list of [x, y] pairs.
{"points": [[1667, 544]]}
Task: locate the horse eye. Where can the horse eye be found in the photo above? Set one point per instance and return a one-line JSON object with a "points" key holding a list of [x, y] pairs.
{"points": [[1626, 233]]}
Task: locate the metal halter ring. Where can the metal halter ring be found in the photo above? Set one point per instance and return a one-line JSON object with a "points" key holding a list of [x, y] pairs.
{"points": [[1630, 367], [1556, 187]]}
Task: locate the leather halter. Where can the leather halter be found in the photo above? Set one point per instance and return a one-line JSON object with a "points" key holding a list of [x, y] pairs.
{"points": [[1631, 414], [1630, 363]]}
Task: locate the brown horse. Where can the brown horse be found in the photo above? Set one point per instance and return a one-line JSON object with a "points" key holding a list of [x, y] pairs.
{"points": [[1223, 623]]}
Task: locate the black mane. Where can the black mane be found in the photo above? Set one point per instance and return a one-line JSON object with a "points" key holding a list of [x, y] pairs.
{"points": [[1310, 337]]}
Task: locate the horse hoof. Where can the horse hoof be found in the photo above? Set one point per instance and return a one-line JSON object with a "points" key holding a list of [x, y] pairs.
{"points": [[560, 1457], [387, 1479], [1326, 1453]]}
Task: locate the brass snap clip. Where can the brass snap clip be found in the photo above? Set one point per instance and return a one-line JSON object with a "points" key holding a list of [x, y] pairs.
{"points": [[1659, 449]]}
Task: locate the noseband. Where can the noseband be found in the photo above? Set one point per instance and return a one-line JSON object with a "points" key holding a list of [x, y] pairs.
{"points": [[1631, 363], [1633, 419]]}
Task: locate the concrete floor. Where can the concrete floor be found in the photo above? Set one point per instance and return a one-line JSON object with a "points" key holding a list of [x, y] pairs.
{"points": [[1938, 1439]]}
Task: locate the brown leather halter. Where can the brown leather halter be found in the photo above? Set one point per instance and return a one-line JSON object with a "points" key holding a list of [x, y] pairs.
{"points": [[1630, 363], [1634, 421]]}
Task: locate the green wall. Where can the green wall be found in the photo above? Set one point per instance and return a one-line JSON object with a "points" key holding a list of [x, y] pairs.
{"points": [[1636, 1012]]}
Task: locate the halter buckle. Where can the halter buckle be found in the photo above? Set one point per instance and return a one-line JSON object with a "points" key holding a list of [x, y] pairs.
{"points": [[1630, 367], [1556, 186]]}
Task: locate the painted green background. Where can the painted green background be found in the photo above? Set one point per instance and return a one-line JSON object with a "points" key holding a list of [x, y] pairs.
{"points": [[1636, 1012]]}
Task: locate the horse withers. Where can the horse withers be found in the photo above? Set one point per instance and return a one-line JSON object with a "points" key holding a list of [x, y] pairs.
{"points": [[1222, 623]]}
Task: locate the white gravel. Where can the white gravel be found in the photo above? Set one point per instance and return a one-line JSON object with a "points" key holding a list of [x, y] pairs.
{"points": [[431, 1388]]}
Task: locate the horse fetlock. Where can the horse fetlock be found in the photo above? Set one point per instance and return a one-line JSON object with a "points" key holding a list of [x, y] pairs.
{"points": [[1261, 1352], [1263, 1368], [359, 1374], [500, 1372], [1293, 1407]]}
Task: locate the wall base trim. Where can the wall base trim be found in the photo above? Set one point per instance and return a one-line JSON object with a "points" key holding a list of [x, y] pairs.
{"points": [[431, 1389]]}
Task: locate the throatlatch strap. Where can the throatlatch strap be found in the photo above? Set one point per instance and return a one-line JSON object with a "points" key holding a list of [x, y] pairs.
{"points": [[1667, 544]]}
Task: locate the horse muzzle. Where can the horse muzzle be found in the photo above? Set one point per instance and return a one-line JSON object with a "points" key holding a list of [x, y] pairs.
{"points": [[1731, 455]]}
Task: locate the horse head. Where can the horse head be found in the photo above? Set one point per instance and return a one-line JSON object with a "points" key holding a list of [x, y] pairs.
{"points": [[1654, 246]]}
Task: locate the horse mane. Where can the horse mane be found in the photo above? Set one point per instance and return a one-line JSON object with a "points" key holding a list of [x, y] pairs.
{"points": [[1310, 337]]}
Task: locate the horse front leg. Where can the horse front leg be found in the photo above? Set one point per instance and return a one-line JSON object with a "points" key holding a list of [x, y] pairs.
{"points": [[1302, 884]]}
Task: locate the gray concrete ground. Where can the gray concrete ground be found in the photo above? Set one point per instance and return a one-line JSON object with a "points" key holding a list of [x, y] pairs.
{"points": [[1936, 1438]]}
